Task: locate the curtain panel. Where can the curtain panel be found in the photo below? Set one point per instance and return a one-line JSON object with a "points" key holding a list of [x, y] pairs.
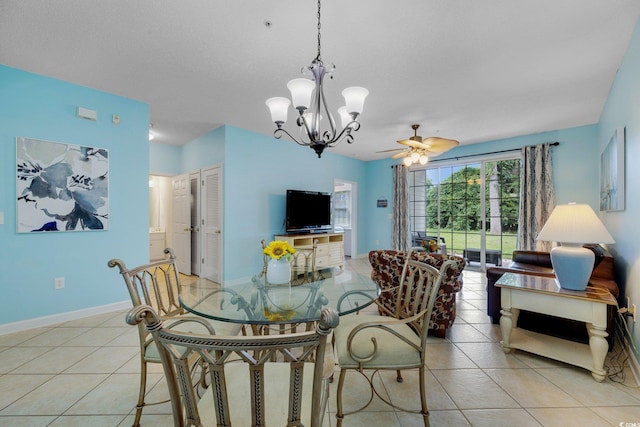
{"points": [[537, 195], [400, 234]]}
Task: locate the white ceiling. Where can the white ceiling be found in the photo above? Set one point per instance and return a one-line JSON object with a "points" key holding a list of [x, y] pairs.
{"points": [[471, 70]]}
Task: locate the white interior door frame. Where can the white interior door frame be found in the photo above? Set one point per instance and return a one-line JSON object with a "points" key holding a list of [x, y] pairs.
{"points": [[181, 240]]}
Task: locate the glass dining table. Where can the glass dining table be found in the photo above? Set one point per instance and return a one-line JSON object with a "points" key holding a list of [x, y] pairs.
{"points": [[257, 303]]}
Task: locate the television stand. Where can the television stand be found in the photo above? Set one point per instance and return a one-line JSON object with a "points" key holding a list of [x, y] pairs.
{"points": [[330, 250]]}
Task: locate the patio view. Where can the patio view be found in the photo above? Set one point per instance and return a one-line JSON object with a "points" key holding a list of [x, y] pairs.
{"points": [[469, 207]]}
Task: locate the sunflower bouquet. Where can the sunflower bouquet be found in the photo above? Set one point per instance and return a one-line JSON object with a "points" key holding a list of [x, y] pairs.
{"points": [[278, 249]]}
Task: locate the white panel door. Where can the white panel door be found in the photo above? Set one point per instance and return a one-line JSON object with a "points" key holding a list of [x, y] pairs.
{"points": [[182, 222], [212, 223]]}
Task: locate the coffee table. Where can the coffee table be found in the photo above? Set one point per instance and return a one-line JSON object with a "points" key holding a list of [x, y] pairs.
{"points": [[543, 295]]}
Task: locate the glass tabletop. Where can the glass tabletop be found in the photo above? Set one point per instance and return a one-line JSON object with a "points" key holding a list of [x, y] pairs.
{"points": [[256, 302]]}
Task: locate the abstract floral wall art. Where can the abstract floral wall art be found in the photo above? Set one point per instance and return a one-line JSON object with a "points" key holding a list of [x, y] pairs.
{"points": [[61, 187]]}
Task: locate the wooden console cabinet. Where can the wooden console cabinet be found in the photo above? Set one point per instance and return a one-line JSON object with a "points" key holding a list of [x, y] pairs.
{"points": [[330, 252]]}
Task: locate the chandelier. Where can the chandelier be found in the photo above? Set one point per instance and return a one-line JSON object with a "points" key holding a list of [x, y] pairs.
{"points": [[308, 99]]}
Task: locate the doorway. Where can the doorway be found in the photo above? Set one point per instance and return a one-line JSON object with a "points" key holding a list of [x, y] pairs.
{"points": [[188, 211], [345, 196]]}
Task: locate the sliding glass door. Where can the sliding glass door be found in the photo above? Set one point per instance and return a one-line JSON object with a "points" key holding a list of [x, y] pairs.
{"points": [[470, 209]]}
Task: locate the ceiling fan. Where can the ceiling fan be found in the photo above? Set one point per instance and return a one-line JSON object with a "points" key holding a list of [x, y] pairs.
{"points": [[418, 150]]}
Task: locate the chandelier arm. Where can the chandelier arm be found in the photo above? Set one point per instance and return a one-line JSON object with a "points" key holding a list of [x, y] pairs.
{"points": [[344, 134], [332, 124], [277, 134], [302, 123]]}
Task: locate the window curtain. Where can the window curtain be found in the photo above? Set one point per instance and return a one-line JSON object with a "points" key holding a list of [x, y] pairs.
{"points": [[537, 196], [400, 236]]}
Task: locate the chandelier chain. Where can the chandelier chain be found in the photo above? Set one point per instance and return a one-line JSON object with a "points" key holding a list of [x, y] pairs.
{"points": [[318, 57]]}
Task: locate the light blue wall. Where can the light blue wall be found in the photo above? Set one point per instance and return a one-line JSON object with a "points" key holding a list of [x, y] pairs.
{"points": [[378, 221], [575, 170], [39, 107], [205, 151], [257, 171], [623, 110], [164, 159]]}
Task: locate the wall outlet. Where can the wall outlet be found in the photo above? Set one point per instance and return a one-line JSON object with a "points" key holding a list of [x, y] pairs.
{"points": [[58, 283]]}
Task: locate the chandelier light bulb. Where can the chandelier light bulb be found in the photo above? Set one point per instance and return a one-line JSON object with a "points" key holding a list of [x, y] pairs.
{"points": [[301, 91], [407, 161], [278, 107], [354, 98], [424, 159], [415, 157], [345, 118]]}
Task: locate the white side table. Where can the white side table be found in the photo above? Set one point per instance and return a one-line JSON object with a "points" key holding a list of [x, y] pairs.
{"points": [[544, 295]]}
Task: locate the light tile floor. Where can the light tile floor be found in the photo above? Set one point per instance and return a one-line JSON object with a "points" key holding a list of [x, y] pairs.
{"points": [[85, 373]]}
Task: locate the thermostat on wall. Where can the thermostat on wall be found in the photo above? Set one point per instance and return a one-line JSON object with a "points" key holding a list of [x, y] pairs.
{"points": [[85, 113]]}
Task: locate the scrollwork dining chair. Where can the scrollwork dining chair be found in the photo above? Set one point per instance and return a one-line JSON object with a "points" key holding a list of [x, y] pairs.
{"points": [[372, 343], [247, 388], [303, 265], [157, 284]]}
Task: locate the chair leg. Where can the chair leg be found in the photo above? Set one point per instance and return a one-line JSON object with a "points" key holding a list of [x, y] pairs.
{"points": [[423, 397], [339, 413], [399, 376], [141, 393]]}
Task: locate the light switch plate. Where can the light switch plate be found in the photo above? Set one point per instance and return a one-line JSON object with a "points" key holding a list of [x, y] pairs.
{"points": [[1, 217]]}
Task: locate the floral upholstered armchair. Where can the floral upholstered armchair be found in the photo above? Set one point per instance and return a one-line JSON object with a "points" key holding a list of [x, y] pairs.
{"points": [[387, 269]]}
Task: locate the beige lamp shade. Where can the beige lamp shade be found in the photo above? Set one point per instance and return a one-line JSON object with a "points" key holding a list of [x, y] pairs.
{"points": [[574, 223]]}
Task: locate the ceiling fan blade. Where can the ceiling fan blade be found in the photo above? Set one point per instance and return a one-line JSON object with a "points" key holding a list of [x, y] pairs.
{"points": [[440, 145], [386, 151], [411, 143], [399, 155]]}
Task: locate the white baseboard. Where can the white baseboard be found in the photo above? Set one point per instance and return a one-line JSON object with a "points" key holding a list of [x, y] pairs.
{"points": [[634, 365], [45, 321]]}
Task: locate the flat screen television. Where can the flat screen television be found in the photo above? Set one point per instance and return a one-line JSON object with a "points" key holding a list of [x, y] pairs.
{"points": [[308, 212]]}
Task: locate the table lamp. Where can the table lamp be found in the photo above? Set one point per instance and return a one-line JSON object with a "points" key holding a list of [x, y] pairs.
{"points": [[571, 226]]}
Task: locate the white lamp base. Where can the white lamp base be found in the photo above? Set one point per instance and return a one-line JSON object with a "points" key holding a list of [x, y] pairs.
{"points": [[573, 266]]}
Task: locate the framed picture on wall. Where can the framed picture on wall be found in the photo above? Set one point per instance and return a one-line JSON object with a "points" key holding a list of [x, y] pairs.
{"points": [[61, 187], [612, 173]]}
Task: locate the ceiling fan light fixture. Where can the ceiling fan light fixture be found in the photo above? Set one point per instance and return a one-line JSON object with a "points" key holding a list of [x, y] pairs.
{"points": [[407, 161], [415, 157], [423, 159]]}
